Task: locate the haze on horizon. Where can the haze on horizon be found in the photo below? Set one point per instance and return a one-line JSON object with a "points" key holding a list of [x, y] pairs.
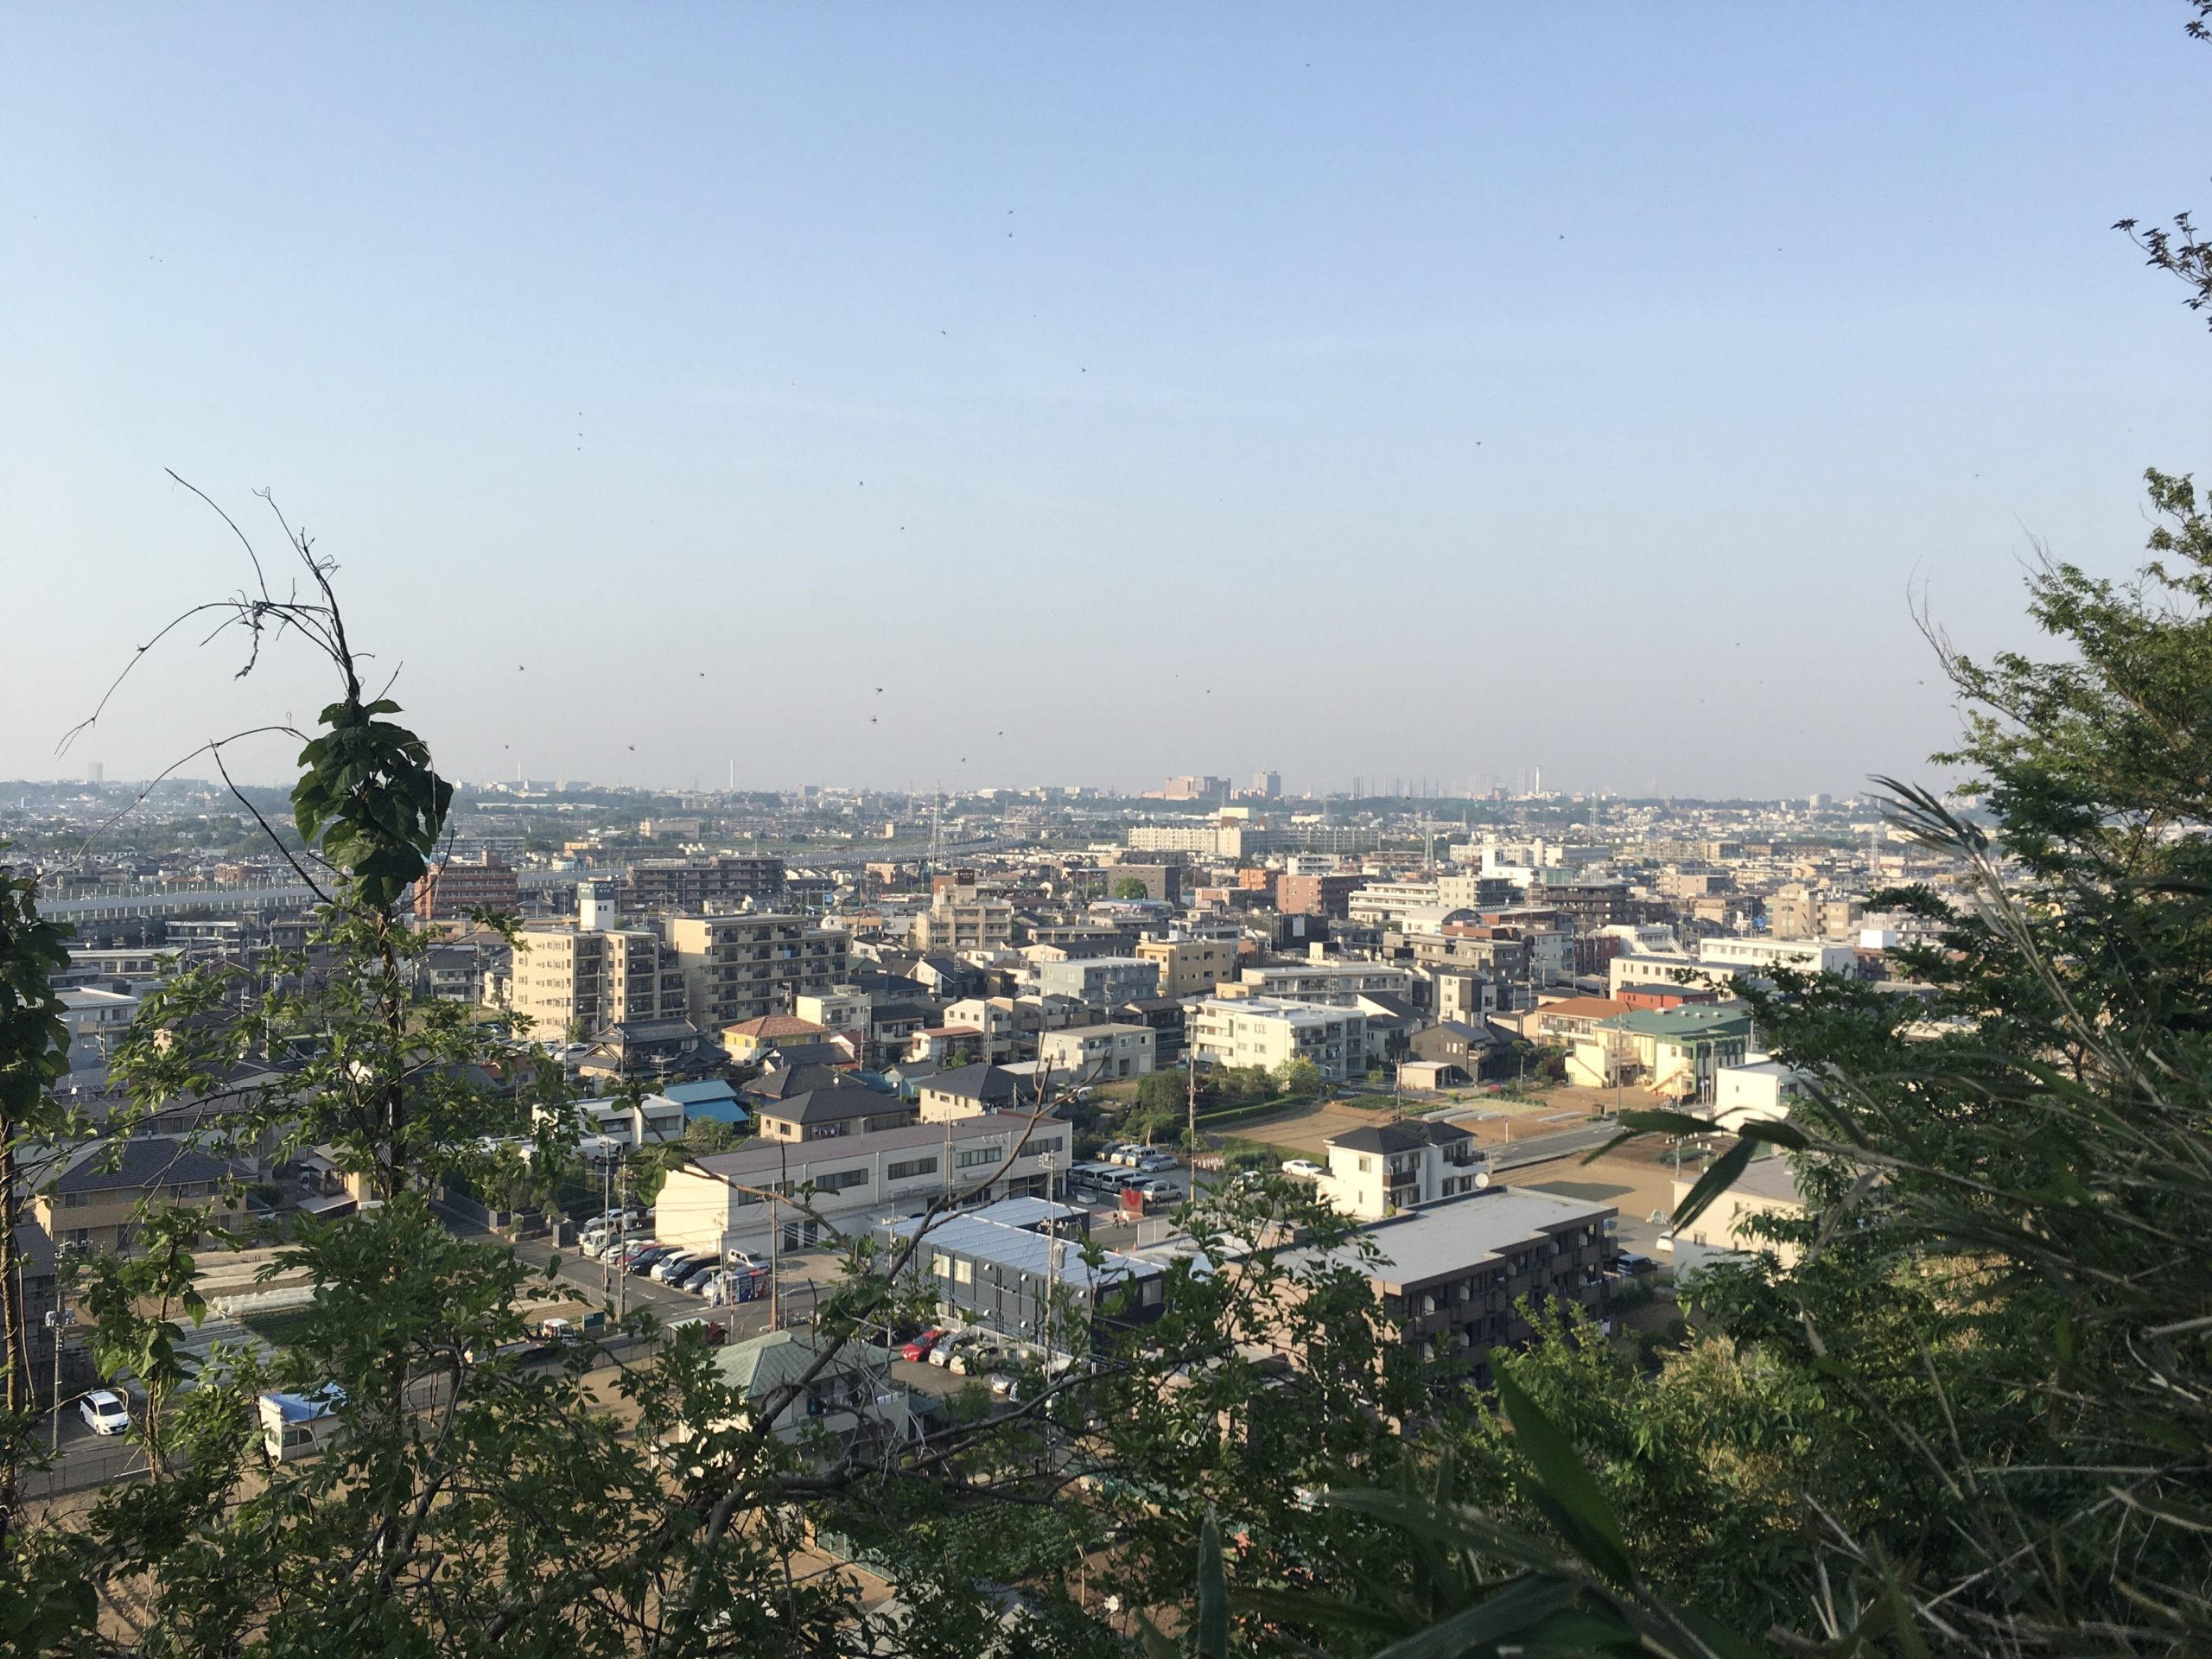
{"points": [[1439, 392]]}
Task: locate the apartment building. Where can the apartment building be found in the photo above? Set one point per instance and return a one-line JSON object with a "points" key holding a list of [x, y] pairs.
{"points": [[567, 978], [1328, 895], [1202, 839], [447, 892], [1764, 956], [670, 885], [1796, 912], [844, 1008], [97, 1022], [1386, 904], [741, 967], [1340, 984], [1100, 982], [1383, 1168], [1099, 1053], [1448, 1276], [1190, 966], [856, 1179], [1256, 1031], [957, 922]]}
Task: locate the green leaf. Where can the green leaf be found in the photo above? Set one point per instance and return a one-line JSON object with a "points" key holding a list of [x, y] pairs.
{"points": [[1522, 1604], [1212, 1634], [1564, 1490], [1715, 1181]]}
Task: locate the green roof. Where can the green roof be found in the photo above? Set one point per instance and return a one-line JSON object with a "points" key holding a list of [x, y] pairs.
{"points": [[1695, 1022], [761, 1363]]}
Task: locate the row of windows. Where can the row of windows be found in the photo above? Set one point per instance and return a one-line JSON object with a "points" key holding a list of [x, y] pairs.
{"points": [[912, 1167], [972, 1156]]}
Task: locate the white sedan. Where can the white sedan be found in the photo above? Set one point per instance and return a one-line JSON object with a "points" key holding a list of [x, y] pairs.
{"points": [[105, 1412], [1304, 1168]]}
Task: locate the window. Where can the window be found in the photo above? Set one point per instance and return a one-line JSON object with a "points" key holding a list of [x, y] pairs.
{"points": [[940, 1264], [970, 1157], [841, 1179], [912, 1167]]}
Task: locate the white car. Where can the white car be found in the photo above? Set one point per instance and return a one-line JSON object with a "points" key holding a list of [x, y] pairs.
{"points": [[105, 1412], [1304, 1168]]}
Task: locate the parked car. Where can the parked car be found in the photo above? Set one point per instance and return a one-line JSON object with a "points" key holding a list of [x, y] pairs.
{"points": [[695, 1282], [1304, 1168], [1002, 1383], [1153, 1190], [646, 1260], [1156, 1158], [105, 1412], [977, 1359], [675, 1265], [945, 1350], [919, 1347], [1630, 1262]]}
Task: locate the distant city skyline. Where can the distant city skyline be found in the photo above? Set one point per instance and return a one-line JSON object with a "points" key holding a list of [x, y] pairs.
{"points": [[1433, 392]]}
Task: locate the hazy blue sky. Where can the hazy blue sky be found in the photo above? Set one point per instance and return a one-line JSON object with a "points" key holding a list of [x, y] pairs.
{"points": [[1378, 390]]}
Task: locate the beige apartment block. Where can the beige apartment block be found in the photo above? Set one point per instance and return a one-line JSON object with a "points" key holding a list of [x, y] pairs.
{"points": [[567, 978], [1190, 966], [739, 968], [959, 922]]}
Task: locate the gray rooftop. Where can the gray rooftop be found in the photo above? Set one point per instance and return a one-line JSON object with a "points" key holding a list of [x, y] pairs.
{"points": [[771, 1157], [980, 1240], [1441, 1240]]}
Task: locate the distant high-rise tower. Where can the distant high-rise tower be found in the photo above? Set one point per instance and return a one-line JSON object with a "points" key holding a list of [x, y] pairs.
{"points": [[1267, 785], [96, 774]]}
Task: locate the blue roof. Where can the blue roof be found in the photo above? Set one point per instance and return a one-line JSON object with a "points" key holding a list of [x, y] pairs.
{"points": [[694, 1094], [718, 1111]]}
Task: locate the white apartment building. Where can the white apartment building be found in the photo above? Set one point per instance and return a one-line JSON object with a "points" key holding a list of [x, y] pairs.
{"points": [[564, 978], [843, 1009], [1382, 1169], [1101, 982], [97, 1021], [741, 967], [1386, 904], [1175, 838], [857, 1180], [1258, 1031], [1763, 955], [1098, 1053], [1340, 984]]}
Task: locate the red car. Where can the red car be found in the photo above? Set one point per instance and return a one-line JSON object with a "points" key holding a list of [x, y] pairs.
{"points": [[918, 1349]]}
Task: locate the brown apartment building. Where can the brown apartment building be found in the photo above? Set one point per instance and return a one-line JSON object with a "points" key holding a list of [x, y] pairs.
{"points": [[1317, 895], [447, 892]]}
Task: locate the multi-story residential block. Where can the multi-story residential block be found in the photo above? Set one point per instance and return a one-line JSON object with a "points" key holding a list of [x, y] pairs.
{"points": [[1386, 904], [843, 1009], [693, 884], [1448, 1276], [1328, 895], [1190, 966], [97, 1021], [1256, 1031], [1763, 955], [748, 1042], [448, 891], [857, 1179], [1203, 839], [1796, 912], [1098, 1053], [963, 920], [1100, 982], [1340, 985], [739, 968], [1379, 1170], [565, 979]]}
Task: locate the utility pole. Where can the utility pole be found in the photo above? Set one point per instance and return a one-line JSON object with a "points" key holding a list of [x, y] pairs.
{"points": [[58, 1319]]}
